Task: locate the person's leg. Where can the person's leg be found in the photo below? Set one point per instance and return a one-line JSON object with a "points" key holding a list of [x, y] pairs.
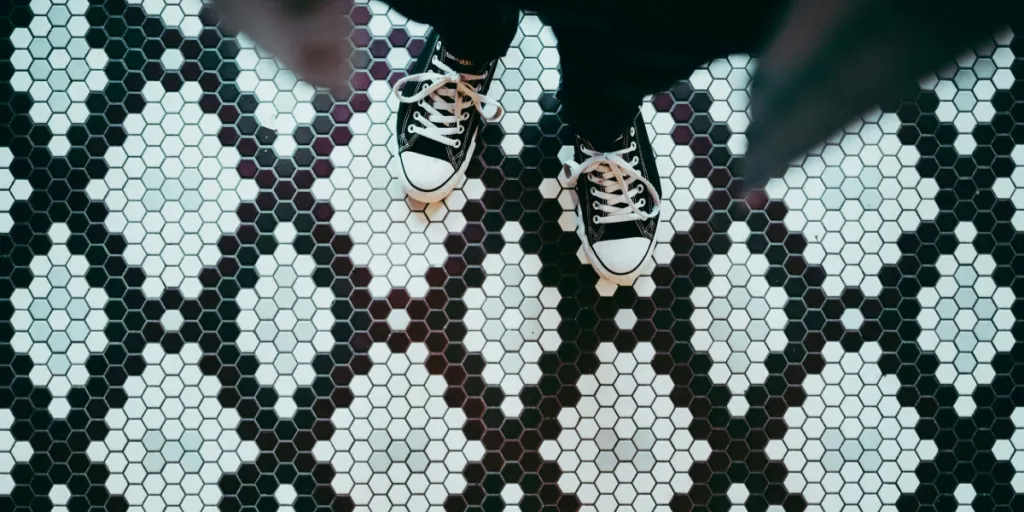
{"points": [[610, 62], [604, 81], [614, 174], [470, 29], [442, 101], [615, 57], [597, 101], [478, 31]]}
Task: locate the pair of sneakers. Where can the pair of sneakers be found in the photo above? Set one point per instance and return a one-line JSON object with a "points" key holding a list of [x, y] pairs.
{"points": [[442, 106]]}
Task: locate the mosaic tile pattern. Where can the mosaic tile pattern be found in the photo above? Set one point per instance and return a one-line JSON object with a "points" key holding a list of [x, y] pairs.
{"points": [[215, 296]]}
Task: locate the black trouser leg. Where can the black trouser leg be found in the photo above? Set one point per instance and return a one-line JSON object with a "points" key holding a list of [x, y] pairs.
{"points": [[478, 31], [474, 30], [609, 66], [600, 93]]}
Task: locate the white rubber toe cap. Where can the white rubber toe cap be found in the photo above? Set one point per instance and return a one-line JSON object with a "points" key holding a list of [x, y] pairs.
{"points": [[622, 257], [425, 175]]}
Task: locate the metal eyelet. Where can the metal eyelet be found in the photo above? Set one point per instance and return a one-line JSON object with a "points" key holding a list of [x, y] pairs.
{"points": [[597, 220], [410, 129], [640, 188], [458, 144], [641, 203], [632, 131], [594, 205], [462, 129]]}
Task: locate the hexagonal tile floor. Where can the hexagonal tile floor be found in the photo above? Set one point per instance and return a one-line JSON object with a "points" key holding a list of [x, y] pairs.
{"points": [[215, 296]]}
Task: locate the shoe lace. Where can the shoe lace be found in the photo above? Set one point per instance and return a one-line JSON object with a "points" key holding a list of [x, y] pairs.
{"points": [[444, 96], [615, 183]]}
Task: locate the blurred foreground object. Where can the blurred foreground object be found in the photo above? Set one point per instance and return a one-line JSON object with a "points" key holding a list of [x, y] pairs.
{"points": [[310, 37], [832, 60]]}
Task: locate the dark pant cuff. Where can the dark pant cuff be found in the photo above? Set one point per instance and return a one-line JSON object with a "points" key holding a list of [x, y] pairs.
{"points": [[479, 37]]}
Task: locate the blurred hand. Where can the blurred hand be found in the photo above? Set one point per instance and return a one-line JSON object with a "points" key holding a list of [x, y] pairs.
{"points": [[310, 37], [832, 60]]}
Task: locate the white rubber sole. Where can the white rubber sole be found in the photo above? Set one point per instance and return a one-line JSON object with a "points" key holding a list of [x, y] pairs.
{"points": [[604, 273], [436, 196]]}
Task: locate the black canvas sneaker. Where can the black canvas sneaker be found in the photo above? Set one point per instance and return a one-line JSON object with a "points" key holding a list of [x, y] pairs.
{"points": [[618, 197], [441, 108]]}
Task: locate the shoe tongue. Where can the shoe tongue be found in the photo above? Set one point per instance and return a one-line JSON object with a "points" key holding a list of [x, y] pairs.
{"points": [[604, 146], [463, 65]]}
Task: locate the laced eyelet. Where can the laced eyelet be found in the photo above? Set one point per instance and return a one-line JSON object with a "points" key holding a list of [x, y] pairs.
{"points": [[462, 129], [597, 220], [640, 188], [458, 144], [641, 203], [411, 129], [594, 205], [464, 116]]}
